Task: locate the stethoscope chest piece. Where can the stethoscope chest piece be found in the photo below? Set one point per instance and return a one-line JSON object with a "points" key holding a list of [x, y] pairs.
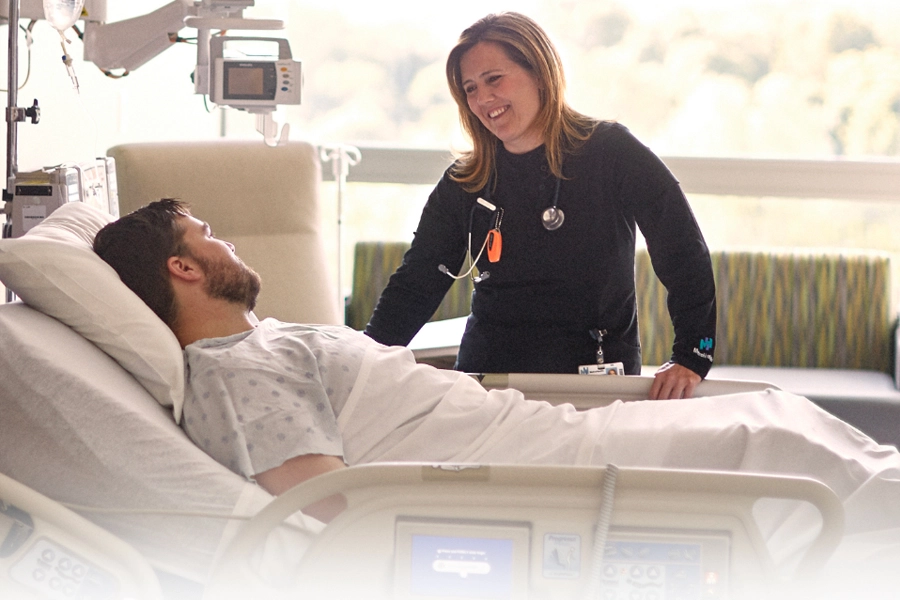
{"points": [[553, 218]]}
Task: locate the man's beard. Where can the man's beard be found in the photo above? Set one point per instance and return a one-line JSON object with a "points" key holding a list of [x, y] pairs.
{"points": [[231, 281]]}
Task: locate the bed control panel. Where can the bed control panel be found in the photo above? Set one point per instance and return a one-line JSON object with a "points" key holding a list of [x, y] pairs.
{"points": [[48, 552], [660, 564], [57, 573], [470, 559], [517, 532]]}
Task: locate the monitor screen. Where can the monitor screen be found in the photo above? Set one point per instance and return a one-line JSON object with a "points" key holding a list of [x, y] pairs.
{"points": [[461, 567], [248, 80], [461, 560]]}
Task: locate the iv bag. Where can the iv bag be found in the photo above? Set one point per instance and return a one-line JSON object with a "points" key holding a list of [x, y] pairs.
{"points": [[62, 14]]}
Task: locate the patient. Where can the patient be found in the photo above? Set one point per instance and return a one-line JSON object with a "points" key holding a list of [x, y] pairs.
{"points": [[280, 403]]}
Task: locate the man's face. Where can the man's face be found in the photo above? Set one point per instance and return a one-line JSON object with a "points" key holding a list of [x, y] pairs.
{"points": [[227, 277]]}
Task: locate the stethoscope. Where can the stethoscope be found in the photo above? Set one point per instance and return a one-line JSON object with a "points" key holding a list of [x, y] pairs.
{"points": [[551, 218], [494, 241]]}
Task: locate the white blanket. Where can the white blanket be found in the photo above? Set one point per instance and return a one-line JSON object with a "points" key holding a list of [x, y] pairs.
{"points": [[400, 411]]}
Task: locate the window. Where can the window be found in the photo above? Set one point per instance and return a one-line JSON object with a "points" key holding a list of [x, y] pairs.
{"points": [[746, 78]]}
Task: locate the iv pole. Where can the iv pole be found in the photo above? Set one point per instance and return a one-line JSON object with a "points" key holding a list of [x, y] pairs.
{"points": [[12, 99], [342, 157], [11, 116], [14, 115]]}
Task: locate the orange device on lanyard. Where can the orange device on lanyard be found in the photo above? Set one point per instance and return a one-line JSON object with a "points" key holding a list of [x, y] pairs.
{"points": [[495, 239]]}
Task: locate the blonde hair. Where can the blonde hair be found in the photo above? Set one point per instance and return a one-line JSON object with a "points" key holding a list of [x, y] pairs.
{"points": [[526, 44]]}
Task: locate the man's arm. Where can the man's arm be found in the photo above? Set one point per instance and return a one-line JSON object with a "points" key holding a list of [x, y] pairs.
{"points": [[297, 470]]}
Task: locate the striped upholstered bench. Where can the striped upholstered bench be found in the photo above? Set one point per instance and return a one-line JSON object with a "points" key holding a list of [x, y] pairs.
{"points": [[790, 309], [373, 264], [776, 309], [815, 323], [785, 309]]}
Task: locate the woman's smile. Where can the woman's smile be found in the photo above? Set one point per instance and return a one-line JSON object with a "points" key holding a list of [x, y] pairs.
{"points": [[504, 96]]}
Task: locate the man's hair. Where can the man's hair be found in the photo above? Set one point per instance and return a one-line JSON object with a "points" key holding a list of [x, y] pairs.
{"points": [[525, 43], [138, 246]]}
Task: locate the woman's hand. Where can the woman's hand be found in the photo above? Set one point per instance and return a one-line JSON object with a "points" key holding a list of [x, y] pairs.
{"points": [[673, 382]]}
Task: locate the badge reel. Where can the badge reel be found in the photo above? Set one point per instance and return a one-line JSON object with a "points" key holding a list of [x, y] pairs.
{"points": [[495, 238], [602, 367]]}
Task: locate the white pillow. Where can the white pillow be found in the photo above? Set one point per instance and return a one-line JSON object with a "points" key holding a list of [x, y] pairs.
{"points": [[54, 269]]}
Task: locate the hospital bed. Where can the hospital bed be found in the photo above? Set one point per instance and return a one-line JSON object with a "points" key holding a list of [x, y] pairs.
{"points": [[80, 430], [91, 382], [504, 531]]}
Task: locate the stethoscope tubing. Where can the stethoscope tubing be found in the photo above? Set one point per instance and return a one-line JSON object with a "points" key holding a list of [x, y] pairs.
{"points": [[552, 219]]}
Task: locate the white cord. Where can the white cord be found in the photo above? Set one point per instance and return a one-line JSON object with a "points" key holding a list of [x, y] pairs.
{"points": [[472, 263], [29, 40], [601, 532]]}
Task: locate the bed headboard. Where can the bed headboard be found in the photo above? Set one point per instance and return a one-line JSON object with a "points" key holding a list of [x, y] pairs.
{"points": [[264, 200]]}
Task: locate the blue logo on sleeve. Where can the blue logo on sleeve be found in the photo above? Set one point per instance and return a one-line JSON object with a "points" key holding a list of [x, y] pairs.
{"points": [[706, 344]]}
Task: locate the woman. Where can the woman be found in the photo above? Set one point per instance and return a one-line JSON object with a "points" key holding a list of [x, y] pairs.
{"points": [[545, 206]]}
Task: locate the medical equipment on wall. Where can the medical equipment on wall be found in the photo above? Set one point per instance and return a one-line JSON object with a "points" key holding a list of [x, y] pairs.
{"points": [[130, 43], [416, 531], [255, 85], [44, 553], [38, 193]]}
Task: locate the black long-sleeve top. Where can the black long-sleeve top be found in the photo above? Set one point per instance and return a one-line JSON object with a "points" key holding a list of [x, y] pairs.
{"points": [[550, 290]]}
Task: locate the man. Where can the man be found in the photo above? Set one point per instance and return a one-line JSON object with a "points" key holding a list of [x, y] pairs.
{"points": [[201, 290], [280, 403]]}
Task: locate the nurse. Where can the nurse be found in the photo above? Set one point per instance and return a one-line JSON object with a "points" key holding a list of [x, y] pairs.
{"points": [[542, 214]]}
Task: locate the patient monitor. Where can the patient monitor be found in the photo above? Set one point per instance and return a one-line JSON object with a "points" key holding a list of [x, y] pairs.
{"points": [[423, 531], [254, 83]]}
